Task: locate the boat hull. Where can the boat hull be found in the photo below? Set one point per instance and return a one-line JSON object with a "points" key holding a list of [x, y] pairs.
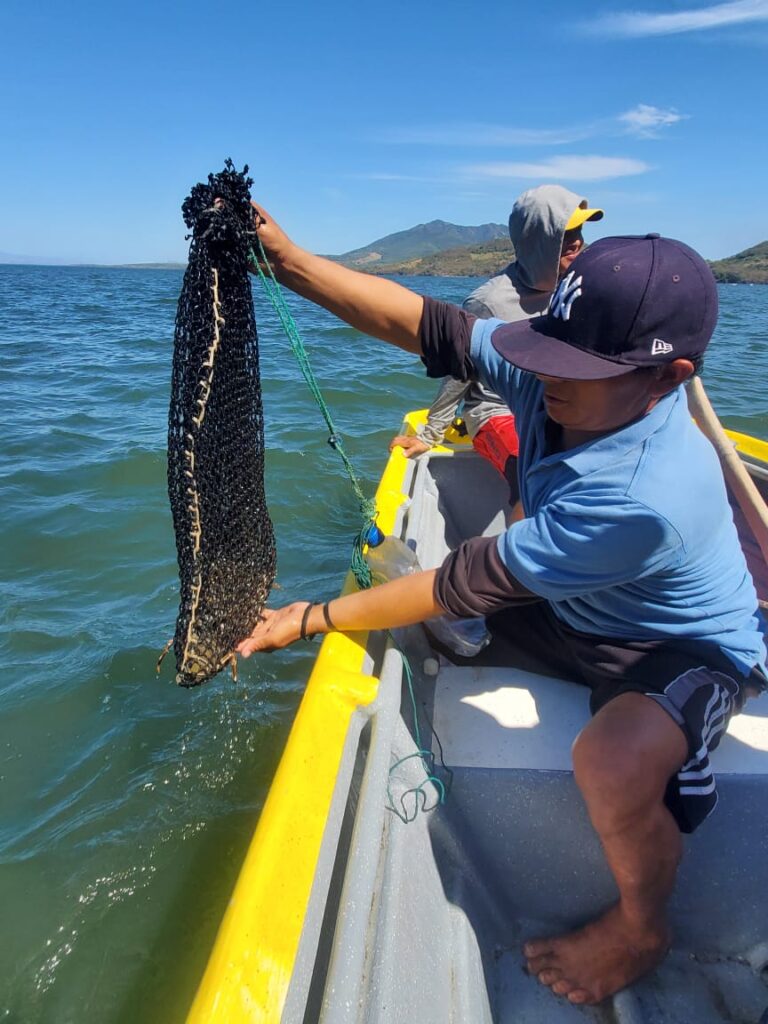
{"points": [[346, 912]]}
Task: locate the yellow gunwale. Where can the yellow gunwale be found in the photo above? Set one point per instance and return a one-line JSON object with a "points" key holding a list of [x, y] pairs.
{"points": [[752, 447], [252, 960]]}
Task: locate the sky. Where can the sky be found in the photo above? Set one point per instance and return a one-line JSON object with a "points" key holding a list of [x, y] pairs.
{"points": [[359, 119]]}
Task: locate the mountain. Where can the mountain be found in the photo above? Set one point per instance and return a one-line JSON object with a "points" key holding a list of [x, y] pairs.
{"points": [[747, 267], [441, 249], [422, 240], [463, 261]]}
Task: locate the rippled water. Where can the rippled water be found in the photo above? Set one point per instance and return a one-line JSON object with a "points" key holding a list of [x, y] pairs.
{"points": [[126, 803]]}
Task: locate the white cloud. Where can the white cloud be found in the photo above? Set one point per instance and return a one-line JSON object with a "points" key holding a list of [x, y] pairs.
{"points": [[648, 23], [642, 121], [645, 121], [563, 168], [479, 134]]}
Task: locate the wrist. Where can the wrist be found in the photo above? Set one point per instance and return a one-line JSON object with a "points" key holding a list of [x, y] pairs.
{"points": [[314, 619], [289, 262], [305, 631]]}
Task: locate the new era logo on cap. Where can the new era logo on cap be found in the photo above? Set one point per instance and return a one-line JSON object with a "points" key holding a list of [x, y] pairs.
{"points": [[626, 303], [660, 348]]}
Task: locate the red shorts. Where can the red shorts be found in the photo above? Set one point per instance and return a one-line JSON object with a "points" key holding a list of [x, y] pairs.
{"points": [[497, 441]]}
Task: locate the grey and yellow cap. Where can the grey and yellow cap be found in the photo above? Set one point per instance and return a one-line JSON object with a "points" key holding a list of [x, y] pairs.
{"points": [[582, 214]]}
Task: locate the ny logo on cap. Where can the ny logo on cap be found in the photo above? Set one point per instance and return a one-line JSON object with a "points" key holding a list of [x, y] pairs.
{"points": [[567, 292], [660, 348]]}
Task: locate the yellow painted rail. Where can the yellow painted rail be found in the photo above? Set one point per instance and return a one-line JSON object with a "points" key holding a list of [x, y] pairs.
{"points": [[750, 446], [252, 960]]}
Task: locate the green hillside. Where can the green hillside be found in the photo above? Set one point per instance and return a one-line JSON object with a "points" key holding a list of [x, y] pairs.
{"points": [[421, 240], [442, 249], [747, 267], [462, 261]]}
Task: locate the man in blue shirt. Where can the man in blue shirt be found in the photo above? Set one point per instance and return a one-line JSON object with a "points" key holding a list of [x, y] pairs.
{"points": [[626, 567]]}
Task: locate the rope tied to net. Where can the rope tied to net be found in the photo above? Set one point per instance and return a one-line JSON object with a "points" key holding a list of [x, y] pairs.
{"points": [[367, 506], [358, 565]]}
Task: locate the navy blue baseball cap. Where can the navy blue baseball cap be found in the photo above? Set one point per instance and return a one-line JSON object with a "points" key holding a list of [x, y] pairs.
{"points": [[625, 303]]}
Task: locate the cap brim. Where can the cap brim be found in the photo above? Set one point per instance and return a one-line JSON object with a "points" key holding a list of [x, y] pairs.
{"points": [[526, 345], [581, 216]]}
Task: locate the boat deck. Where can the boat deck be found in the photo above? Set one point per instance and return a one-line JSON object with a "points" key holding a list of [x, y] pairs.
{"points": [[515, 854], [506, 734]]}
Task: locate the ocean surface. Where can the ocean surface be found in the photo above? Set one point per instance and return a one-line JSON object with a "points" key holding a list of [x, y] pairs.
{"points": [[126, 803]]}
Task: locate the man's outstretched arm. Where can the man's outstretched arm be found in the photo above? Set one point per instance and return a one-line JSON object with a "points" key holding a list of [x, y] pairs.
{"points": [[373, 305]]}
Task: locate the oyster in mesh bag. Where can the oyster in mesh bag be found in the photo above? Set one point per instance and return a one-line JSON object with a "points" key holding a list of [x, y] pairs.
{"points": [[224, 537]]}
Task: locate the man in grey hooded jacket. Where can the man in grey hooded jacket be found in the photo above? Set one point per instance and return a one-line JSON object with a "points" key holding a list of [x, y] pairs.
{"points": [[545, 229]]}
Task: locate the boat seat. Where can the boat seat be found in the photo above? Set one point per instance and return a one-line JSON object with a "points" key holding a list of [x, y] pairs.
{"points": [[507, 734], [509, 718]]}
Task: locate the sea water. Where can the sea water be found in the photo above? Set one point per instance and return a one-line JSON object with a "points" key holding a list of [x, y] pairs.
{"points": [[126, 803]]}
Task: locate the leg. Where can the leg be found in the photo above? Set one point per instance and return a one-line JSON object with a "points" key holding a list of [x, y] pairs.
{"points": [[622, 762]]}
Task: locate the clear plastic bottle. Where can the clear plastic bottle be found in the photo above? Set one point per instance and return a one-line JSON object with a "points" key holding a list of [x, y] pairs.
{"points": [[465, 637], [390, 558]]}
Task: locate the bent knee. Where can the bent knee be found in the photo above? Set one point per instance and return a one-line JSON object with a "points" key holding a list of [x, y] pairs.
{"points": [[602, 762], [618, 787], [628, 753]]}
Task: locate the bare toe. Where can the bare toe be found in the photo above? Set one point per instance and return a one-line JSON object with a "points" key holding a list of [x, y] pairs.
{"points": [[562, 987], [540, 963], [539, 947], [550, 976], [581, 997]]}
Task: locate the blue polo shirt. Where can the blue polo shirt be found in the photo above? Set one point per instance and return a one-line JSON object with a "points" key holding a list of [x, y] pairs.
{"points": [[630, 536]]}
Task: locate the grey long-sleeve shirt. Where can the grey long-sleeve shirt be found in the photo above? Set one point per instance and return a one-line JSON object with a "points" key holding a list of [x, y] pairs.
{"points": [[480, 405]]}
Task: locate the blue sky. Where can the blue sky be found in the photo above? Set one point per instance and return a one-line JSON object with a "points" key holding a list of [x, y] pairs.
{"points": [[362, 119]]}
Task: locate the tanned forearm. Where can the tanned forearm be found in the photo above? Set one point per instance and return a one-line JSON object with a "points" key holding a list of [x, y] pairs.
{"points": [[402, 602], [373, 305]]}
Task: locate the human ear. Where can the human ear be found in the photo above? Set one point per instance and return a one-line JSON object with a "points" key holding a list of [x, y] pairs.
{"points": [[671, 375]]}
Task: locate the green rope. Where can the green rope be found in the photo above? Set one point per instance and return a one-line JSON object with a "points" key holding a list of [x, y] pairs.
{"points": [[359, 566], [427, 758], [367, 506]]}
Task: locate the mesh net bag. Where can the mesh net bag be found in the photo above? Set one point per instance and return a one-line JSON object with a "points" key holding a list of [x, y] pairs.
{"points": [[224, 537]]}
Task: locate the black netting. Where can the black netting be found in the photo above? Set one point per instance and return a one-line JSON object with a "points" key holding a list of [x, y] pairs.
{"points": [[224, 537]]}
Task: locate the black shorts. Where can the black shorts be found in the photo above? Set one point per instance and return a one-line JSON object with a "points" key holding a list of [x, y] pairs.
{"points": [[699, 687]]}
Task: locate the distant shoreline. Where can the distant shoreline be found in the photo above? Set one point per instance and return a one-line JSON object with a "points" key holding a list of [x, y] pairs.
{"points": [[480, 261], [99, 266], [387, 271]]}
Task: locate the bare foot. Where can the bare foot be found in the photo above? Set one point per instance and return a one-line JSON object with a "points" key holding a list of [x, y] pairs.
{"points": [[598, 960]]}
